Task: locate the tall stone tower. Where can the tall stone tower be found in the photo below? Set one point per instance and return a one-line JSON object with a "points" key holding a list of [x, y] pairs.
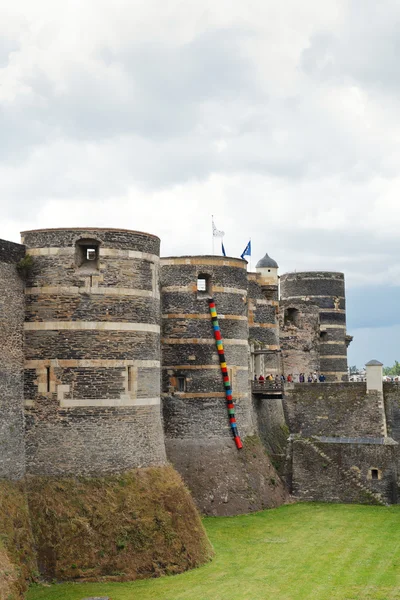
{"points": [[92, 351], [263, 305], [199, 442], [311, 297], [12, 454]]}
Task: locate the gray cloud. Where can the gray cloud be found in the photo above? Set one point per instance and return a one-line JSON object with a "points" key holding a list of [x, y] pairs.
{"points": [[283, 124]]}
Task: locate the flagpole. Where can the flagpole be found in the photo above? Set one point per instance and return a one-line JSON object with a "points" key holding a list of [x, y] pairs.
{"points": [[250, 253]]}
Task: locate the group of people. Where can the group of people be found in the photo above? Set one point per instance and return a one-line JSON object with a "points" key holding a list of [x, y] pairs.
{"points": [[301, 378], [310, 378], [270, 379]]}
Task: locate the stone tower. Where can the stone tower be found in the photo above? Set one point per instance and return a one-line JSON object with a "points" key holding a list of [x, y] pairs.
{"points": [[314, 311], [12, 454], [263, 307], [198, 437], [92, 352]]}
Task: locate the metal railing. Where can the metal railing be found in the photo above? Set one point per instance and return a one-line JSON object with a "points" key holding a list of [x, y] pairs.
{"points": [[266, 386]]}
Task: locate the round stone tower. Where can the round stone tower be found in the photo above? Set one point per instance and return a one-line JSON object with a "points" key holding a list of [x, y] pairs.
{"points": [[92, 351], [325, 291], [198, 436]]}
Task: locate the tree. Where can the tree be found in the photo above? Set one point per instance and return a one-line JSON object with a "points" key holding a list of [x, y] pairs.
{"points": [[393, 371], [353, 370]]}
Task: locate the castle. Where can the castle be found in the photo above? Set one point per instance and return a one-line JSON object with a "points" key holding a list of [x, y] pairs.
{"points": [[109, 364]]}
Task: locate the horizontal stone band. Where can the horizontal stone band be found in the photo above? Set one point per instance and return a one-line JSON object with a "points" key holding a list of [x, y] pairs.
{"points": [[90, 326], [263, 325], [205, 395], [95, 290], [103, 252], [333, 356], [203, 317], [304, 297], [201, 367], [218, 262], [192, 288], [227, 342], [109, 402], [91, 363]]}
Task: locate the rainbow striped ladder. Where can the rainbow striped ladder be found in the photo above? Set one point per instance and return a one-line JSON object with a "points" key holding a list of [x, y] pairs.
{"points": [[225, 375]]}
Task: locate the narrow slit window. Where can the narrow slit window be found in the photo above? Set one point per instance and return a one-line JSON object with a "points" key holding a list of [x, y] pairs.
{"points": [[48, 379], [130, 379], [181, 384]]}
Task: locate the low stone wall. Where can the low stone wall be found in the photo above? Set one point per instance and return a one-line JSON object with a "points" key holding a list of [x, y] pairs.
{"points": [[341, 409], [318, 479]]}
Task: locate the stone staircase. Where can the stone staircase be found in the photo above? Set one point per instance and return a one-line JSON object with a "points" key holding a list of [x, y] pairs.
{"points": [[351, 476]]}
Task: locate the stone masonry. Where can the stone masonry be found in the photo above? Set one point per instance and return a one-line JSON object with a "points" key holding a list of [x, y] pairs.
{"points": [[92, 352], [12, 452]]}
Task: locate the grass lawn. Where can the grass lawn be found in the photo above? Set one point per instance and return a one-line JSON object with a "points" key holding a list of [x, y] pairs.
{"points": [[316, 551]]}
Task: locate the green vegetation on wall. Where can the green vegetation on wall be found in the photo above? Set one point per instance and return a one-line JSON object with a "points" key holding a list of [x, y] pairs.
{"points": [[17, 558], [139, 524]]}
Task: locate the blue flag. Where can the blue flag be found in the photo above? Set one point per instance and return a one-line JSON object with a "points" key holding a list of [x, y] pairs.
{"points": [[247, 250], [223, 248]]}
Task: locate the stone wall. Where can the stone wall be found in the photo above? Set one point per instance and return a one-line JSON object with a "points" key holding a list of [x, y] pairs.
{"points": [[272, 428], [325, 290], [92, 352], [12, 455], [263, 326], [299, 338], [326, 409], [342, 472]]}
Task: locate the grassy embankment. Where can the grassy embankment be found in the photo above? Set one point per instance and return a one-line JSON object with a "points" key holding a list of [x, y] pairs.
{"points": [[17, 557], [303, 551]]}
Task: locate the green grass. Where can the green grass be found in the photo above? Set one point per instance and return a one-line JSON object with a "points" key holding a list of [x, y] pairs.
{"points": [[313, 551]]}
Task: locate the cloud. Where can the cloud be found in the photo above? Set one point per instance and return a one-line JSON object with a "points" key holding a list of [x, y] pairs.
{"points": [[279, 119]]}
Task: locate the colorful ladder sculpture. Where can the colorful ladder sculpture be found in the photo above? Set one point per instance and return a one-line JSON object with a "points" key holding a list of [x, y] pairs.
{"points": [[225, 375]]}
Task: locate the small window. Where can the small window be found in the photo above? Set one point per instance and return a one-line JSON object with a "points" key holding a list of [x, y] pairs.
{"points": [[130, 379], [91, 254], [181, 380], [87, 254], [203, 286], [48, 380], [323, 335], [374, 474]]}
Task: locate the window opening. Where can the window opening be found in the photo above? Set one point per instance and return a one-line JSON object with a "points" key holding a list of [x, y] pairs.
{"points": [[130, 379], [91, 254], [48, 378], [374, 474], [87, 254], [181, 383], [203, 286], [323, 335]]}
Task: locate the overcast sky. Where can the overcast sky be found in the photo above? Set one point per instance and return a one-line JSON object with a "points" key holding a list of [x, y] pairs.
{"points": [[280, 118]]}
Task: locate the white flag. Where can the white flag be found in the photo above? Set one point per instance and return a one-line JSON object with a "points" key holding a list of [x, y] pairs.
{"points": [[216, 232]]}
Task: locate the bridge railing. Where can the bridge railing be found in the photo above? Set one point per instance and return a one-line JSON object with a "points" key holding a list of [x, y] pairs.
{"points": [[259, 387]]}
